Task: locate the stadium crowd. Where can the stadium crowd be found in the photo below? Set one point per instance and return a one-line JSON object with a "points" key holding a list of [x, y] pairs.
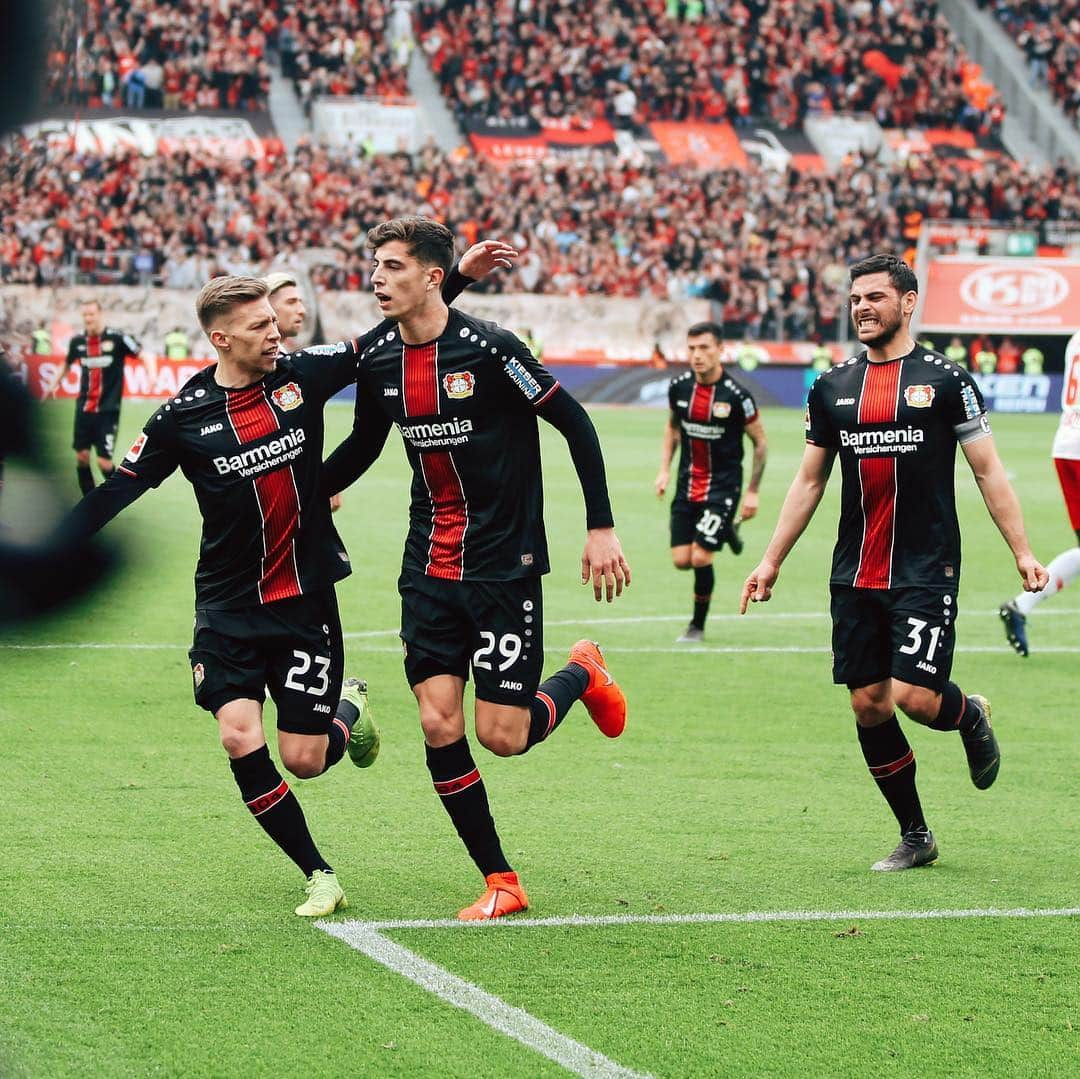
{"points": [[769, 248], [335, 48], [190, 55], [640, 60], [1049, 34], [153, 54]]}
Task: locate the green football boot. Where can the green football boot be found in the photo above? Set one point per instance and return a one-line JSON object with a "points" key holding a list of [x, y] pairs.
{"points": [[363, 744], [324, 896]]}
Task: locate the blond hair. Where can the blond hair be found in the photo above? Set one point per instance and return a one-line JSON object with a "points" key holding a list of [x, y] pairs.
{"points": [[221, 294]]}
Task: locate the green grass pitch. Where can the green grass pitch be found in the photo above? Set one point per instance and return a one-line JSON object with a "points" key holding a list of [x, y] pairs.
{"points": [[146, 923]]}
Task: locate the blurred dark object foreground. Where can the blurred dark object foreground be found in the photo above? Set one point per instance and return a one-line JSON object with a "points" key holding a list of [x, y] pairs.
{"points": [[37, 576]]}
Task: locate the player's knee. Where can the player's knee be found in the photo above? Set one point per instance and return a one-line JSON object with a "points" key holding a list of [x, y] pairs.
{"points": [[441, 727], [82, 457], [239, 741], [871, 706], [681, 559], [918, 703], [305, 763], [501, 741], [701, 558], [105, 465]]}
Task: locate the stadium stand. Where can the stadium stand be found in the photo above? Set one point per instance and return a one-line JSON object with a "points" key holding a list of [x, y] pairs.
{"points": [[154, 54], [769, 248], [1049, 35], [346, 48], [642, 60]]}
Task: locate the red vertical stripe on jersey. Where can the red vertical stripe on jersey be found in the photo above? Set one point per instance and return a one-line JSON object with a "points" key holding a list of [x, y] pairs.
{"points": [[253, 418], [449, 511], [93, 380], [700, 451], [449, 517], [877, 478], [420, 379]]}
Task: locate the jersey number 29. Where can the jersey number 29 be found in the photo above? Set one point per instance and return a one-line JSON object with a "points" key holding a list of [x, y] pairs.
{"points": [[509, 649]]}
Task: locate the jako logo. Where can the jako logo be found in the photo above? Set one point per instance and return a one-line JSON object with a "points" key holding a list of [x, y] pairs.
{"points": [[211, 428], [1020, 292]]}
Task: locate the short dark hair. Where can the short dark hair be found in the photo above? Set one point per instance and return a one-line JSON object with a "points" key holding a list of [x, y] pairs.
{"points": [[429, 242], [901, 275], [699, 329]]}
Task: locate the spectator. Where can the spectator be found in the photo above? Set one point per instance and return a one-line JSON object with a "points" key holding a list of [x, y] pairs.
{"points": [[766, 248], [1049, 35], [784, 57]]}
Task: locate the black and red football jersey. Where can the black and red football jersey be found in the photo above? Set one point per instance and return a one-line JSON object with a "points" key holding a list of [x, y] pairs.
{"points": [[101, 358], [711, 421], [254, 458], [465, 405], [896, 426]]}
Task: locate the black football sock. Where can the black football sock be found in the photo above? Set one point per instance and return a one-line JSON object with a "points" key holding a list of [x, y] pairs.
{"points": [[459, 786], [275, 807], [892, 764], [704, 579], [957, 713], [86, 478], [553, 700], [340, 731]]}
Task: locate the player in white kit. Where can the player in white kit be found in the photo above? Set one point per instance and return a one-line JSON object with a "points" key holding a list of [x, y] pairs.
{"points": [[1066, 453]]}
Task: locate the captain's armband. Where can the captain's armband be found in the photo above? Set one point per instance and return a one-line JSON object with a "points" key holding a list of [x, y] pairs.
{"points": [[972, 430]]}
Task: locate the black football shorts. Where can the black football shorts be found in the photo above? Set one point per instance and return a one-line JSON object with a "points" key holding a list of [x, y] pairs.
{"points": [[96, 430], [494, 627], [904, 633], [704, 523], [292, 648]]}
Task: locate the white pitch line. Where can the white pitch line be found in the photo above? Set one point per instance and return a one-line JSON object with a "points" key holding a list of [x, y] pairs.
{"points": [[505, 1019], [749, 620], [741, 918], [730, 650]]}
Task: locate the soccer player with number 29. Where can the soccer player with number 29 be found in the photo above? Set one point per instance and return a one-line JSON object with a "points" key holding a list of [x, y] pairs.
{"points": [[465, 395]]}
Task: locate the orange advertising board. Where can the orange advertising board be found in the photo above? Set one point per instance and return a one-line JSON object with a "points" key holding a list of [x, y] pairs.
{"points": [[1001, 295]]}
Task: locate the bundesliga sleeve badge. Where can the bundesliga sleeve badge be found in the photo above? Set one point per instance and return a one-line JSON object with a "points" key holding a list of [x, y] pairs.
{"points": [[287, 397], [132, 455], [459, 384]]}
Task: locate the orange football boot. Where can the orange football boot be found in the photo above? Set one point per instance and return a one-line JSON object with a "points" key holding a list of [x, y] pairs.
{"points": [[504, 895], [602, 697]]}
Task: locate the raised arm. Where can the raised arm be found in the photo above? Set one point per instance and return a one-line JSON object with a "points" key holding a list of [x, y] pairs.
{"points": [[479, 261], [801, 501], [602, 559], [1004, 506]]}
